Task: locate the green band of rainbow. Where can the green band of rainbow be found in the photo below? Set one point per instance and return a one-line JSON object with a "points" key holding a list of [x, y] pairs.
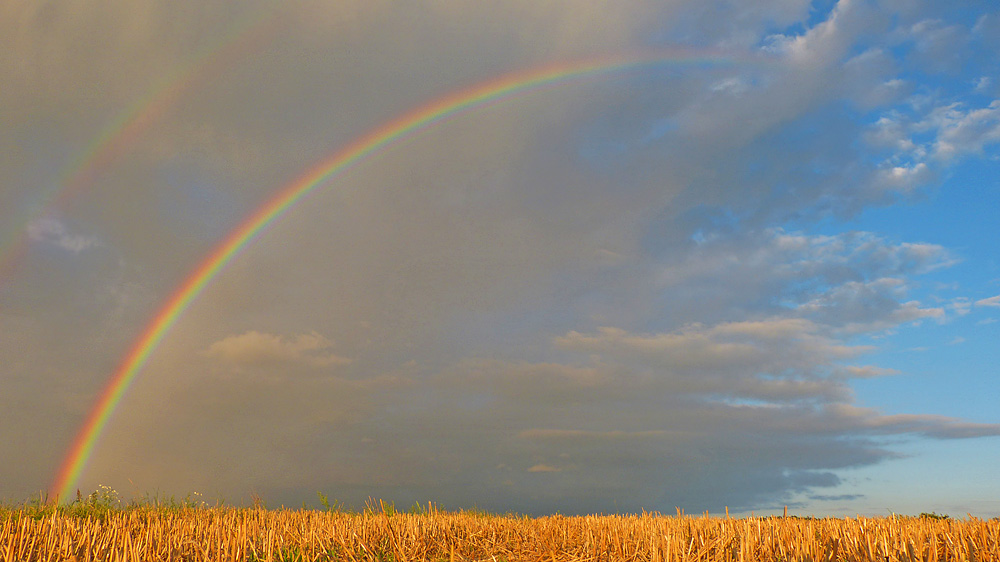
{"points": [[377, 140]]}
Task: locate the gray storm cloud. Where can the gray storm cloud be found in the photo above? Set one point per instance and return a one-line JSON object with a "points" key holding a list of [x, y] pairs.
{"points": [[585, 299]]}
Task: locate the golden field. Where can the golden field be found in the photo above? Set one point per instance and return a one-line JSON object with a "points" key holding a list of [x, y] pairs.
{"points": [[229, 534]]}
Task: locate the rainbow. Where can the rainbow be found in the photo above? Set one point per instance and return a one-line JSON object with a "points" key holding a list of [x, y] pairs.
{"points": [[122, 132], [374, 142]]}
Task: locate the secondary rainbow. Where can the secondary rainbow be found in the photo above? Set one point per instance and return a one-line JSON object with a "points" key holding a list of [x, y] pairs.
{"points": [[378, 140], [122, 132]]}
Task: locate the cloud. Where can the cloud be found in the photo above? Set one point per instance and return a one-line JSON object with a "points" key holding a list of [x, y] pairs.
{"points": [[962, 131], [867, 79], [960, 306], [255, 349], [544, 468], [853, 281], [828, 40], [590, 435], [55, 232], [639, 280], [986, 30], [954, 129], [835, 497], [938, 427], [939, 46], [904, 178], [932, 133], [868, 371], [870, 306], [989, 302], [746, 348]]}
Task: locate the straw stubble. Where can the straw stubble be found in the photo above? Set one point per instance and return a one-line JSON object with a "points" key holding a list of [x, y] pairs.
{"points": [[229, 534]]}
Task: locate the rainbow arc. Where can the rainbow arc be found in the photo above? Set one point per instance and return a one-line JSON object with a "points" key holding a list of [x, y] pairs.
{"points": [[364, 148]]}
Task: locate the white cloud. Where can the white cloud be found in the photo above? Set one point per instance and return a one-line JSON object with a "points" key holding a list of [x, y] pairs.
{"points": [[772, 360], [890, 131], [918, 144], [962, 132], [732, 345], [869, 79], [868, 306], [817, 277], [991, 301], [960, 306], [938, 44], [733, 86], [824, 43], [940, 427], [54, 231], [904, 179], [866, 371], [255, 348]]}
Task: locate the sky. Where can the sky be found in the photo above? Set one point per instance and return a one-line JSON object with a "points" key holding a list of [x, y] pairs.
{"points": [[759, 272]]}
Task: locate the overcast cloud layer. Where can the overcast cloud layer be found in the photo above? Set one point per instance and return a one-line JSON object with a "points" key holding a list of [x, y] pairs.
{"points": [[635, 292]]}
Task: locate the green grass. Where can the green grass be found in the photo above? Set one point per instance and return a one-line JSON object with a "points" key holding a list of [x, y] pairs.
{"points": [[102, 502]]}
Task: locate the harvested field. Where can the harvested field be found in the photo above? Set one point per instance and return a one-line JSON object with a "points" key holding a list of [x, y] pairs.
{"points": [[223, 534]]}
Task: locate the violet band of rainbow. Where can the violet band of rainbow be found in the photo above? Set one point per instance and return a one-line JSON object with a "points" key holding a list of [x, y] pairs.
{"points": [[376, 141]]}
